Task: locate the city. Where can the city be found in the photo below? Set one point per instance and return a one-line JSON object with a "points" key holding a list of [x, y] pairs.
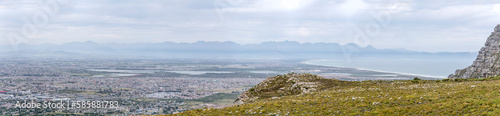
{"points": [[143, 86]]}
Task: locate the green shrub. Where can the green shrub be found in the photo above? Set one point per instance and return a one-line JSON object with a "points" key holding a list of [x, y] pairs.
{"points": [[416, 80]]}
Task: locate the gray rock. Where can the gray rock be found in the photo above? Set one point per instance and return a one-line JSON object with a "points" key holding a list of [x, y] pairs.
{"points": [[487, 63]]}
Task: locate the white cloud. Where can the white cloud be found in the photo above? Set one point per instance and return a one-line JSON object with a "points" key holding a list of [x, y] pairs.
{"points": [[416, 25], [113, 36], [269, 5], [496, 8], [350, 7]]}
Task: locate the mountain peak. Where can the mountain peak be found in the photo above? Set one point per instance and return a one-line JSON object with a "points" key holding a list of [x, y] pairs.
{"points": [[497, 29], [487, 63]]}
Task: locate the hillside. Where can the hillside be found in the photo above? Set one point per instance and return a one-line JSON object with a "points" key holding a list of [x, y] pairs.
{"points": [[410, 97], [286, 85]]}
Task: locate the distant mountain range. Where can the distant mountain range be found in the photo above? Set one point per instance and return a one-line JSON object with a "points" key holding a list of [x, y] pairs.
{"points": [[219, 50]]}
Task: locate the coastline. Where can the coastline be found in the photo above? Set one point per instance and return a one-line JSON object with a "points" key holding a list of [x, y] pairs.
{"points": [[308, 62]]}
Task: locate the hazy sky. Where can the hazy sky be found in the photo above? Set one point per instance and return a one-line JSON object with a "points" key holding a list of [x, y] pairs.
{"points": [[421, 25]]}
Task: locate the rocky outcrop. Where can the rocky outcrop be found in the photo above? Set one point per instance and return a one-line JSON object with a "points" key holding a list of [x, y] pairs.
{"points": [[285, 85], [487, 63]]}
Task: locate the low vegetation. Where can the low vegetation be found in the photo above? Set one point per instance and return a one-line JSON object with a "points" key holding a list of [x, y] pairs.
{"points": [[411, 97], [290, 84], [209, 99]]}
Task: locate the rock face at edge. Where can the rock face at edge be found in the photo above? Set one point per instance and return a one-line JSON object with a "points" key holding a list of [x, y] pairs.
{"points": [[285, 85], [487, 63]]}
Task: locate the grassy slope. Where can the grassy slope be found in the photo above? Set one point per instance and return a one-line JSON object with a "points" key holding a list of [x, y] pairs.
{"points": [[282, 85], [428, 97]]}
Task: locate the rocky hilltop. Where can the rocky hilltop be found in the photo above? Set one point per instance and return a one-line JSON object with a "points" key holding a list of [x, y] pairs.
{"points": [[487, 63], [285, 85]]}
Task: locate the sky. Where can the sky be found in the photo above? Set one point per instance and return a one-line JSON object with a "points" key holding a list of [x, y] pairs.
{"points": [[419, 25]]}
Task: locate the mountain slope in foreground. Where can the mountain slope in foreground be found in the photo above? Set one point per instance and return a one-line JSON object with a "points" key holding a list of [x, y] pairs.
{"points": [[409, 97]]}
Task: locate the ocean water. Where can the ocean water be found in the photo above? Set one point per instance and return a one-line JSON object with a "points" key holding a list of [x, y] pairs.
{"points": [[435, 67]]}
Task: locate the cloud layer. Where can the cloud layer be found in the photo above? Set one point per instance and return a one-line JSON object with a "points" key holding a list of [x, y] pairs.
{"points": [[423, 25]]}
